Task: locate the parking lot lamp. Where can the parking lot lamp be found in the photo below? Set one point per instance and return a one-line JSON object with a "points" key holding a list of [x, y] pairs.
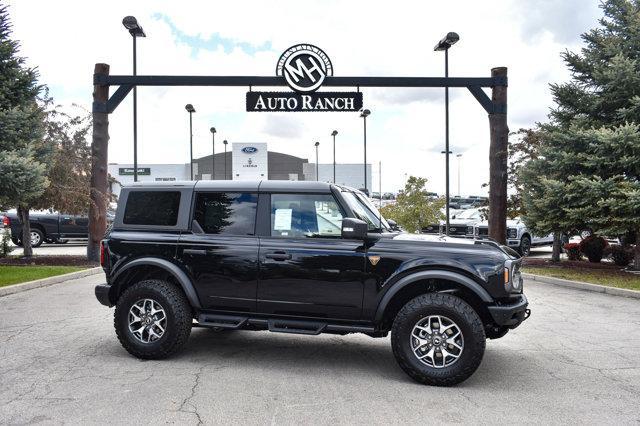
{"points": [[449, 40], [458, 156], [364, 114], [131, 24], [334, 133], [317, 144], [190, 109], [213, 153], [224, 142]]}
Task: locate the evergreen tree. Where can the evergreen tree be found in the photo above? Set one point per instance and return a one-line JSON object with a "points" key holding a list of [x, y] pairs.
{"points": [[586, 174], [23, 152]]}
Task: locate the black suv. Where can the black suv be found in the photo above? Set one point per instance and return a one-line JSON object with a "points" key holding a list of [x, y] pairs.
{"points": [[306, 258]]}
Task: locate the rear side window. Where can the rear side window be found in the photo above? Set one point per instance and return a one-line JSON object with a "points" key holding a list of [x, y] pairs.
{"points": [[226, 213], [155, 208]]}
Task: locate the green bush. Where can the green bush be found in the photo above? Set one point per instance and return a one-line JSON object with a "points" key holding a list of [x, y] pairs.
{"points": [[5, 248], [621, 255], [593, 247]]}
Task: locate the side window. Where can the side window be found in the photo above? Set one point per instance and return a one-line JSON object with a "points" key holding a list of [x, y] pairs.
{"points": [[226, 213], [155, 208], [305, 215]]}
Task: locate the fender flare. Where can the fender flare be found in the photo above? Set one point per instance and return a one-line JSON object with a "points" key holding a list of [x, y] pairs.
{"points": [[180, 276], [464, 281]]}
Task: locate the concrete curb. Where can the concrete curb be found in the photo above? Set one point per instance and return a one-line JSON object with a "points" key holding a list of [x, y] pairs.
{"points": [[30, 285], [579, 285]]}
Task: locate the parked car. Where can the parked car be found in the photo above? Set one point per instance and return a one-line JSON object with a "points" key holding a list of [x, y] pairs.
{"points": [[50, 227], [461, 223], [305, 258], [518, 236]]}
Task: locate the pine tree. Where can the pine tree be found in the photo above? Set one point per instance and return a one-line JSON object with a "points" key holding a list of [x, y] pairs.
{"points": [[23, 152], [587, 171]]}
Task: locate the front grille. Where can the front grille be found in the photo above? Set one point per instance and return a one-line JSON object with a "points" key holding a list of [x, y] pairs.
{"points": [[457, 230], [483, 231]]}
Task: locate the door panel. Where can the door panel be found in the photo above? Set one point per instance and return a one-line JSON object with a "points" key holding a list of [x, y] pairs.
{"points": [[224, 270], [314, 277]]}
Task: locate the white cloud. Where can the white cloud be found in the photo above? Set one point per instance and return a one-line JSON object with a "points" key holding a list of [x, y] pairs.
{"points": [[406, 128]]}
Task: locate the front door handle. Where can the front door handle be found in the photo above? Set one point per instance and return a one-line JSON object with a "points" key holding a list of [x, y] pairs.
{"points": [[195, 252], [278, 255]]}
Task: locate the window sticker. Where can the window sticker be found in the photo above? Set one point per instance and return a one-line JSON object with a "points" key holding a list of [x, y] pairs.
{"points": [[282, 221]]}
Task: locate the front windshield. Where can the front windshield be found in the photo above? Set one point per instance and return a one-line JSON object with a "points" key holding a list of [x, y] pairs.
{"points": [[469, 214], [366, 211]]}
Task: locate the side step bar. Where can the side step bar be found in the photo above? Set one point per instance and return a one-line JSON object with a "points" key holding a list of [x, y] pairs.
{"points": [[280, 325]]}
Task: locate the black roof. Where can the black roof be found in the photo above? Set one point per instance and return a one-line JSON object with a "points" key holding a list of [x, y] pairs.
{"points": [[240, 185]]}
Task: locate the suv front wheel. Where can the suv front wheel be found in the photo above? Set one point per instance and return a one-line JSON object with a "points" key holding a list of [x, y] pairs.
{"points": [[438, 339], [153, 319]]}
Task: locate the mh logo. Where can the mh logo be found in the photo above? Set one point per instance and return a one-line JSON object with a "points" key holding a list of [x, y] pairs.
{"points": [[304, 67]]}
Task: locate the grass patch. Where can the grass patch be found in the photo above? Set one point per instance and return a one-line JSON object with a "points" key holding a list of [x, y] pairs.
{"points": [[607, 277], [19, 274]]}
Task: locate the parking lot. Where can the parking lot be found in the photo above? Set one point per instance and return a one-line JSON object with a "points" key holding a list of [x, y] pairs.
{"points": [[575, 360]]}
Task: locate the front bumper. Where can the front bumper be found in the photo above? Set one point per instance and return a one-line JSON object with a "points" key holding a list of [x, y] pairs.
{"points": [[511, 315], [102, 294]]}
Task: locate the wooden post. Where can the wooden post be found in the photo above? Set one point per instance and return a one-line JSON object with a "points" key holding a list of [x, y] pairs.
{"points": [[499, 134], [99, 163]]}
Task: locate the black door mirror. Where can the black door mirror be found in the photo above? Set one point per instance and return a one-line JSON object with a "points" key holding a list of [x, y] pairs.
{"points": [[354, 229]]}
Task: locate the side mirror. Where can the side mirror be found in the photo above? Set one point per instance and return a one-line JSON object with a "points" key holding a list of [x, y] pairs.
{"points": [[393, 224], [354, 229]]}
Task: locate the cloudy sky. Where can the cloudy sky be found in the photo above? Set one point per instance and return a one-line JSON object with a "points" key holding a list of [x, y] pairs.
{"points": [[64, 39]]}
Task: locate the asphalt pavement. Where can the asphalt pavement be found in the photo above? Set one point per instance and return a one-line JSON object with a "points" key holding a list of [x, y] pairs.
{"points": [[576, 360]]}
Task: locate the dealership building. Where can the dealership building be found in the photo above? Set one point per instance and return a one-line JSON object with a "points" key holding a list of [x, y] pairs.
{"points": [[245, 161]]}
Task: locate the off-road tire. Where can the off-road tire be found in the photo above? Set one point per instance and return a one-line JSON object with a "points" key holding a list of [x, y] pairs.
{"points": [[458, 311], [16, 241], [178, 312]]}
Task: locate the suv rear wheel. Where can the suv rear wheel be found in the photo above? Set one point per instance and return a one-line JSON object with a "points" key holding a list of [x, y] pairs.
{"points": [[525, 246], [153, 319], [438, 339]]}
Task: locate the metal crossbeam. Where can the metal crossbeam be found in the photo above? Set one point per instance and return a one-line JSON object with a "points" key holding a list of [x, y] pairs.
{"points": [[127, 82]]}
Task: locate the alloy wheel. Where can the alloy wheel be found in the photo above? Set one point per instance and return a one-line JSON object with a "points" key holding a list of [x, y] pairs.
{"points": [[147, 320], [437, 341]]}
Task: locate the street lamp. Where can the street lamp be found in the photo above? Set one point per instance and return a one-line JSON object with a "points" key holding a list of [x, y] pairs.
{"points": [[317, 144], [190, 109], [225, 158], [334, 133], [458, 156], [449, 40], [131, 24], [213, 153], [364, 114]]}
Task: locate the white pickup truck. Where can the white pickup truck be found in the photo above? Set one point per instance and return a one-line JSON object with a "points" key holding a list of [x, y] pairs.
{"points": [[518, 236]]}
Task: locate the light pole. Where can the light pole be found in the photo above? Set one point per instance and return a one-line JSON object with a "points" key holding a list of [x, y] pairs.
{"points": [[225, 158], [334, 133], [131, 24], [458, 156], [317, 144], [449, 40], [213, 153], [364, 114], [190, 109]]}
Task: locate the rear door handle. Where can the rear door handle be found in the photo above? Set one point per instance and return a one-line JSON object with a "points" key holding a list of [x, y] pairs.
{"points": [[278, 255], [195, 252]]}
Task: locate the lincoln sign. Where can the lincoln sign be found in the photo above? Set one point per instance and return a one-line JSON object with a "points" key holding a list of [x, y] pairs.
{"points": [[304, 68]]}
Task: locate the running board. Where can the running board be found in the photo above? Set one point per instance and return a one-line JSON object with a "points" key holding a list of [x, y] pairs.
{"points": [[222, 321], [311, 328]]}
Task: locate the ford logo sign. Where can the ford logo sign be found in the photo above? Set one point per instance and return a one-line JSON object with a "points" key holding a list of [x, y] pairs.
{"points": [[249, 150]]}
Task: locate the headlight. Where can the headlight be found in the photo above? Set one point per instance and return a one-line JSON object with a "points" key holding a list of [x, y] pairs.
{"points": [[512, 233], [469, 230], [512, 277]]}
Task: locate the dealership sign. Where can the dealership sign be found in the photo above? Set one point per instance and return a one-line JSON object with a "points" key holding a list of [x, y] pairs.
{"points": [[304, 67], [128, 171]]}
